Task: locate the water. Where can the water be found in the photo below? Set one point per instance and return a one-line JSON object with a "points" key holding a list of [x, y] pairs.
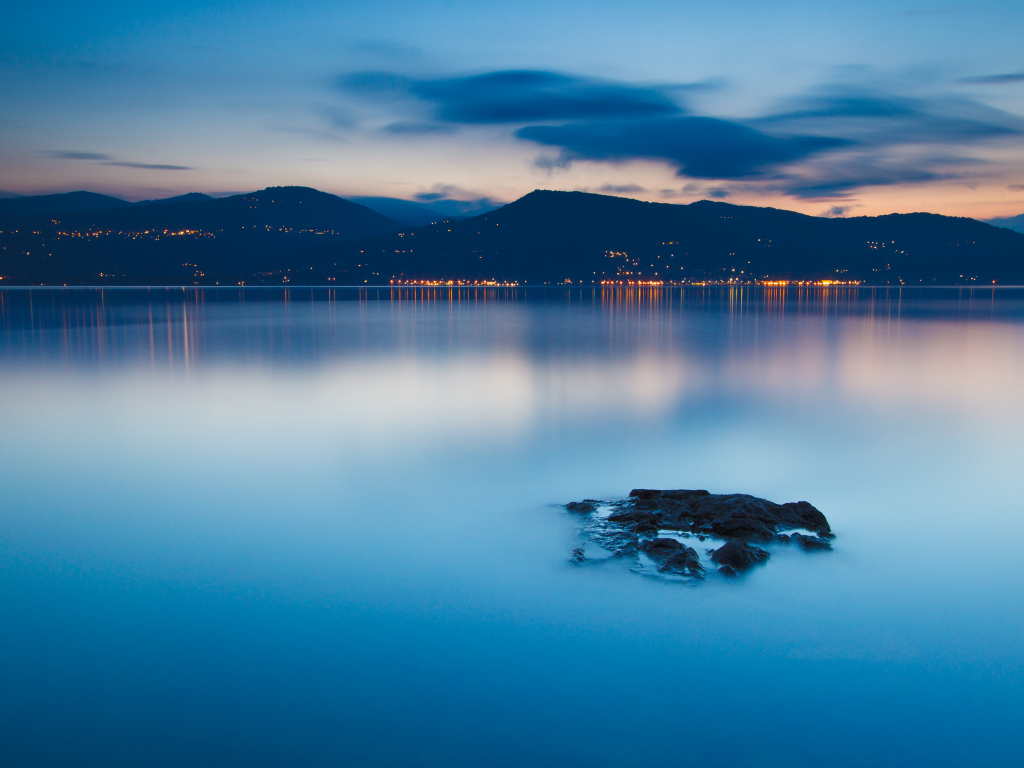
{"points": [[314, 527]]}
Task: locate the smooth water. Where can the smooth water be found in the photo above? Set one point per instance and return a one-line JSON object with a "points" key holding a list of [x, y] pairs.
{"points": [[312, 527]]}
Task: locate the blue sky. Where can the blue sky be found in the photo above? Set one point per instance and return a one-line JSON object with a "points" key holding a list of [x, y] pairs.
{"points": [[865, 108]]}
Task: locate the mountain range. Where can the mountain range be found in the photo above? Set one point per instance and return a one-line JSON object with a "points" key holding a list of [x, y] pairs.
{"points": [[1016, 223], [298, 235]]}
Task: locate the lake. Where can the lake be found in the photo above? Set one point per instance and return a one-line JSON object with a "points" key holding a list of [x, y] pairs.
{"points": [[321, 527]]}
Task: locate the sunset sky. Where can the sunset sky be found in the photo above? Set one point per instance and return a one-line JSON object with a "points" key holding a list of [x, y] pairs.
{"points": [[860, 108]]}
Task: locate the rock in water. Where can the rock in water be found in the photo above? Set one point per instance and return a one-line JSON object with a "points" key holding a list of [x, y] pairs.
{"points": [[727, 515], [635, 525], [584, 507], [811, 542], [739, 556], [673, 557]]}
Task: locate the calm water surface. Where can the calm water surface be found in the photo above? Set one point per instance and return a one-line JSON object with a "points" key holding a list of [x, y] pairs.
{"points": [[271, 527]]}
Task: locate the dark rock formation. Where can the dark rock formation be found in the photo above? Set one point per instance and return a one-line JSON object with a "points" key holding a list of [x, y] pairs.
{"points": [[586, 506], [729, 516], [673, 557], [811, 542], [634, 525], [739, 556]]}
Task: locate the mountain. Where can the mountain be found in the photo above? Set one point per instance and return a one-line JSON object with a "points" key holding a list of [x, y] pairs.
{"points": [[297, 235], [555, 237], [191, 197], [417, 214], [1016, 223], [51, 205], [231, 238]]}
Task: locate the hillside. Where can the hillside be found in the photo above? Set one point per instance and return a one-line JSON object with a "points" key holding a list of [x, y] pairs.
{"points": [[205, 240], [553, 237], [52, 205], [413, 214], [1016, 223], [300, 236]]}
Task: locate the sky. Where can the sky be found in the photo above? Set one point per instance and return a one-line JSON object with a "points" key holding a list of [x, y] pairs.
{"points": [[829, 109]]}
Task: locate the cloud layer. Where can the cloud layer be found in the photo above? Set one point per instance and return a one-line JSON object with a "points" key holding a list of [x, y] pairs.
{"points": [[823, 144], [698, 147], [104, 159]]}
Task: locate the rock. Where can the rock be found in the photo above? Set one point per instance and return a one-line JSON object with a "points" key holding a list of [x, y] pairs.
{"points": [[739, 556], [682, 563], [811, 542], [634, 516], [657, 547], [812, 519], [731, 516], [581, 507], [673, 557], [577, 556], [740, 519]]}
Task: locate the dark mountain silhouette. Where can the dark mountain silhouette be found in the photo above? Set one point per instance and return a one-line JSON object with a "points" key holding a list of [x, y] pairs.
{"points": [[410, 214], [51, 205], [1016, 223], [416, 214], [301, 236], [190, 197], [185, 242], [553, 237]]}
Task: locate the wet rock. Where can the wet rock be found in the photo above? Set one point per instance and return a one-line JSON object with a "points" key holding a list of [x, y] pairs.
{"points": [[661, 546], [634, 516], [673, 557], [728, 570], [809, 515], [581, 507], [682, 564], [739, 556], [578, 556], [637, 524], [811, 542], [727, 515]]}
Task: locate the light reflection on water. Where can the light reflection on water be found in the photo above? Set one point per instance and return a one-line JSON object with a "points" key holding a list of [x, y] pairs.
{"points": [[315, 526]]}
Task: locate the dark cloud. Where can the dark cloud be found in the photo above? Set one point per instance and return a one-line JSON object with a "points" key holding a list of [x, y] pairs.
{"points": [[621, 189], [890, 138], [839, 183], [66, 155], [700, 147], [1007, 79], [441, 192], [1016, 187], [719, 193], [525, 96], [451, 200], [150, 166], [860, 130], [883, 119], [520, 96], [105, 159], [836, 211]]}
